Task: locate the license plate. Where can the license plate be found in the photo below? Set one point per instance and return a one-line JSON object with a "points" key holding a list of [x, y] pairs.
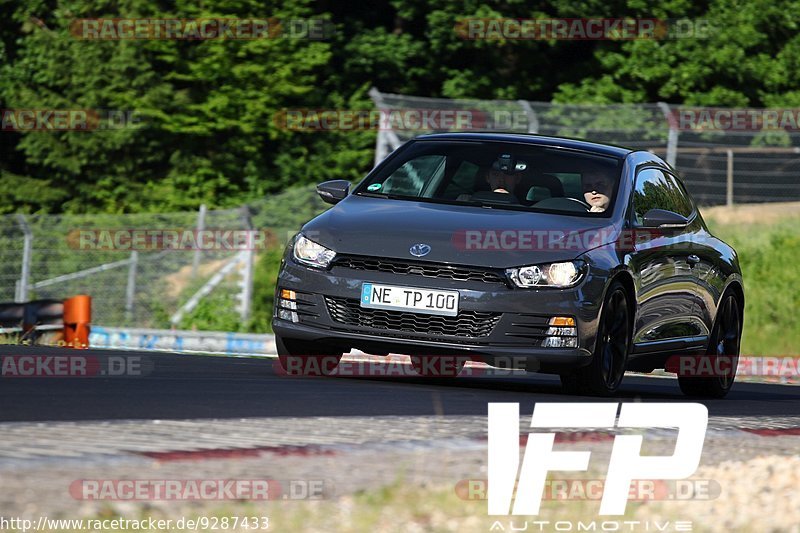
{"points": [[428, 301]]}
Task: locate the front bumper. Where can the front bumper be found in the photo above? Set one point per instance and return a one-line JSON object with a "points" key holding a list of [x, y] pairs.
{"points": [[497, 324]]}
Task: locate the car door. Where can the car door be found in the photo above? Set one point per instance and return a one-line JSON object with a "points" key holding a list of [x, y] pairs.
{"points": [[704, 259], [668, 315]]}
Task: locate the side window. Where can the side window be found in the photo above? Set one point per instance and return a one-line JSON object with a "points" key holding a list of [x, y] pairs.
{"points": [[409, 179], [683, 204], [652, 191], [463, 181], [572, 184]]}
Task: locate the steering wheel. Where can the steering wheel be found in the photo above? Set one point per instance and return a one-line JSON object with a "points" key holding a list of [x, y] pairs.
{"points": [[565, 203], [582, 202]]}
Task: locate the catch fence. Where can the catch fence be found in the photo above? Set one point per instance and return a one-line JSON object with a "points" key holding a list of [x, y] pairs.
{"points": [[724, 155]]}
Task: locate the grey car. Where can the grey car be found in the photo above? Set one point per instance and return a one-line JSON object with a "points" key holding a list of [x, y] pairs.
{"points": [[549, 254]]}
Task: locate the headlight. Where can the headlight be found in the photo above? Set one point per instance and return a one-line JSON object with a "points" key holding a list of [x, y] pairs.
{"points": [[311, 254], [548, 275]]}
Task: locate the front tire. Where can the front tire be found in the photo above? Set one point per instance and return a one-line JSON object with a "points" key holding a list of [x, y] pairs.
{"points": [[603, 376], [303, 358], [725, 341]]}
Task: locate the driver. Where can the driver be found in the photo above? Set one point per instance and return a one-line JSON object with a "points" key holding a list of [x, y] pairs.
{"points": [[596, 190], [501, 182], [505, 174]]}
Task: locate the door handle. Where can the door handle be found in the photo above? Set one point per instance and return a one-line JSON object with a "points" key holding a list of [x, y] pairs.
{"points": [[693, 260]]}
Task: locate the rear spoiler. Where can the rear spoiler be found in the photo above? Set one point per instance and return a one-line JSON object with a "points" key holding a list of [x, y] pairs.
{"points": [[29, 321]]}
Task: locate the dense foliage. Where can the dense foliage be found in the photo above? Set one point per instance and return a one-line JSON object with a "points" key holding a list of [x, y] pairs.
{"points": [[207, 132]]}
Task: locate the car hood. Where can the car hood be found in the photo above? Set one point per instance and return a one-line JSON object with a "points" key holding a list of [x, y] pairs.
{"points": [[465, 235]]}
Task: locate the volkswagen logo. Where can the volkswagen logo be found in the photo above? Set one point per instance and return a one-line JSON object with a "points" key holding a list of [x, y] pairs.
{"points": [[419, 250]]}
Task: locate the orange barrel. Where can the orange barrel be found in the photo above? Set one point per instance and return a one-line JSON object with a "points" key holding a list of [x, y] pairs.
{"points": [[77, 317]]}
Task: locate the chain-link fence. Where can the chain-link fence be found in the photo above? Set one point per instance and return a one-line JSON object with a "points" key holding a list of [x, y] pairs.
{"points": [[189, 270], [725, 155], [192, 286], [143, 283]]}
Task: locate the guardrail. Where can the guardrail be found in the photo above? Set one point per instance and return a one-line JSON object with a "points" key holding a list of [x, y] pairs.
{"points": [[27, 321]]}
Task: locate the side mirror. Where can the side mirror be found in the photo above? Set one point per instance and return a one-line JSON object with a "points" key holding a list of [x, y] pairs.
{"points": [[333, 191], [663, 219]]}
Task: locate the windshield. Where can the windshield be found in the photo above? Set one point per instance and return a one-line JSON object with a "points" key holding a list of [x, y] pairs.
{"points": [[500, 175]]}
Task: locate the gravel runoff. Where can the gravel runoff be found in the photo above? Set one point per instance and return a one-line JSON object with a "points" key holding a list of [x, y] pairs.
{"points": [[759, 494], [759, 479]]}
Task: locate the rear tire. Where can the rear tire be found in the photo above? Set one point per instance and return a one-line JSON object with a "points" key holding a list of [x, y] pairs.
{"points": [[304, 358], [725, 341], [603, 375]]}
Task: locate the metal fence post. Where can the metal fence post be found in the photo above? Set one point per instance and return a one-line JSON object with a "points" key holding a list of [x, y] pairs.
{"points": [[387, 141], [380, 149], [130, 289], [533, 120], [246, 294], [201, 225], [380, 142], [729, 187], [27, 250], [672, 134], [247, 286]]}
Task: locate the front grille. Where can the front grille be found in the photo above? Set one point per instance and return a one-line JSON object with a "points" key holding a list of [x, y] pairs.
{"points": [[465, 324], [428, 270]]}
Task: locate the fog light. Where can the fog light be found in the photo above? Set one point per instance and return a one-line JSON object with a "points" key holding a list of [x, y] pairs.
{"points": [[560, 342], [562, 333], [287, 304], [286, 314], [562, 321], [566, 332]]}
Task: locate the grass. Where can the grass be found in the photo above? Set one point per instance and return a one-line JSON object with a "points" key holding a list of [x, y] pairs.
{"points": [[769, 254]]}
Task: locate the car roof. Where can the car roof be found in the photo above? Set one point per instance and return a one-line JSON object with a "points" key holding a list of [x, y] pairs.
{"points": [[529, 138]]}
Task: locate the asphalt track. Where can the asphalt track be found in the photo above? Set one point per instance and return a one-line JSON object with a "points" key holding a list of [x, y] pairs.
{"points": [[192, 386]]}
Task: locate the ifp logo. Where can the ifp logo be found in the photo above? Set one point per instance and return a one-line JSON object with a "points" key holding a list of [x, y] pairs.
{"points": [[626, 463]]}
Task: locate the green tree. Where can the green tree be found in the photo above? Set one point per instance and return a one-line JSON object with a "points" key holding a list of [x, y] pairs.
{"points": [[208, 131]]}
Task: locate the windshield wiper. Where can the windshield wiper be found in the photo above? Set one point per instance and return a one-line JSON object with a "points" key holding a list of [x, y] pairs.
{"points": [[478, 203], [474, 203], [389, 196]]}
